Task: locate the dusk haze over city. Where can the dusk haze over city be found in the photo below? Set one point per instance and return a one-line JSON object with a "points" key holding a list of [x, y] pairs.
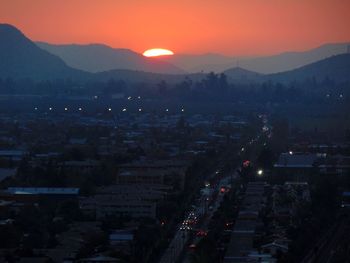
{"points": [[163, 131]]}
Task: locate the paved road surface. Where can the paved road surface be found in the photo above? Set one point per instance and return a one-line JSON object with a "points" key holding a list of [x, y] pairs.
{"points": [[177, 244], [204, 225]]}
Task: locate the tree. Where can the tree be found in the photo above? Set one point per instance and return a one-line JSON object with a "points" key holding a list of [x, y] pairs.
{"points": [[162, 87]]}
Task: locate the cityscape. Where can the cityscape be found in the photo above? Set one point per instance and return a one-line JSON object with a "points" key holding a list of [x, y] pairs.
{"points": [[174, 131]]}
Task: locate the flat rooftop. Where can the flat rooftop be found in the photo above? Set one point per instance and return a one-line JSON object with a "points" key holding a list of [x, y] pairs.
{"points": [[42, 191]]}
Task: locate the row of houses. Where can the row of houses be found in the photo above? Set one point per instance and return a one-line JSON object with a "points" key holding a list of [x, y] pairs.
{"points": [[293, 164], [259, 233], [136, 201], [246, 227]]}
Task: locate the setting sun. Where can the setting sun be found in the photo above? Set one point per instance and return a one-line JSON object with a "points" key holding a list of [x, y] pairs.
{"points": [[155, 52]]}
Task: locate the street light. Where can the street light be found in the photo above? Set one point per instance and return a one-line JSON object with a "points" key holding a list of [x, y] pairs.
{"points": [[260, 172]]}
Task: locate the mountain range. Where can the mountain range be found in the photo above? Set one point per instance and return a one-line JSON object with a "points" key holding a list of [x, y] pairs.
{"points": [[336, 67], [97, 57], [291, 60], [238, 74], [261, 64], [22, 58]]}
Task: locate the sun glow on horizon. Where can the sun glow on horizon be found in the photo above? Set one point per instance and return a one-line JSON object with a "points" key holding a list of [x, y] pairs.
{"points": [[155, 52]]}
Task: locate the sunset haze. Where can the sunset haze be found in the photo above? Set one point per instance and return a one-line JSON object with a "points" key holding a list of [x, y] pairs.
{"points": [[228, 27]]}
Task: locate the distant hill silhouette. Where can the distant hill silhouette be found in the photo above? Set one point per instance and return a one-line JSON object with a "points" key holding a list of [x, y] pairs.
{"points": [[21, 58], [242, 75], [336, 68], [209, 62], [262, 64], [98, 57], [292, 60], [145, 77]]}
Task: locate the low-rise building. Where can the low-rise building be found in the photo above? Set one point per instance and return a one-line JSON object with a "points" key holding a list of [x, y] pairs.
{"points": [[166, 172]]}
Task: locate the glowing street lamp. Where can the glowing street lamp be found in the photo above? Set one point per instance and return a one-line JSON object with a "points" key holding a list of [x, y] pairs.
{"points": [[260, 172]]}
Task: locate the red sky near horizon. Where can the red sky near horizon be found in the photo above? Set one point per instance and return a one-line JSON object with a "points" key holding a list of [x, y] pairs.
{"points": [[231, 27]]}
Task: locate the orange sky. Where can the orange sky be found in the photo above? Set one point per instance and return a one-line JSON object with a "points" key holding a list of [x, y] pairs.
{"points": [[233, 27]]}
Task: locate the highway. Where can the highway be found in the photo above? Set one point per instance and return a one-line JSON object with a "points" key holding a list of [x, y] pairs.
{"points": [[201, 212], [226, 181]]}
